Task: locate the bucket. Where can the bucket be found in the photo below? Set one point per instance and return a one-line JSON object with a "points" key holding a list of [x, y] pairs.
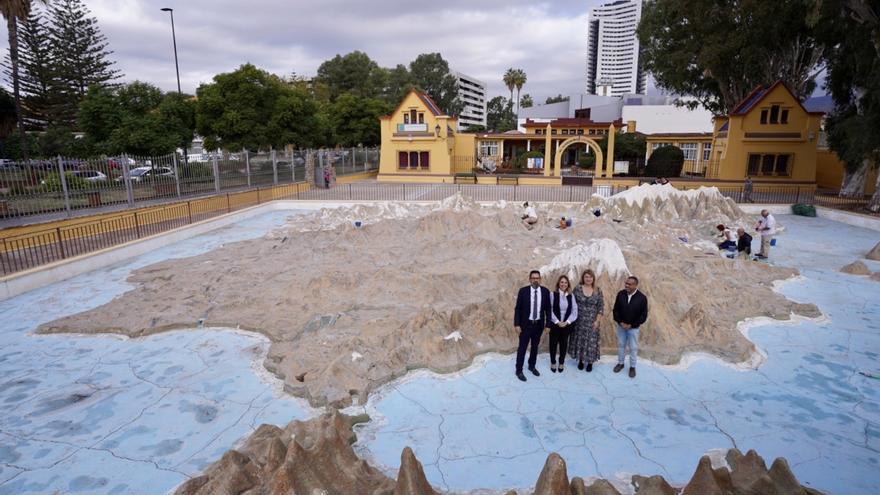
{"points": [[773, 241], [358, 224], [568, 222]]}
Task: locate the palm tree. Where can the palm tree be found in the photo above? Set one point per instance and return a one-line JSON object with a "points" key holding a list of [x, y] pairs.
{"points": [[13, 11], [519, 80], [510, 81]]}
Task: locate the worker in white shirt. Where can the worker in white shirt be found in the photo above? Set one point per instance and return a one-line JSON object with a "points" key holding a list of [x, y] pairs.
{"points": [[767, 228], [530, 217]]}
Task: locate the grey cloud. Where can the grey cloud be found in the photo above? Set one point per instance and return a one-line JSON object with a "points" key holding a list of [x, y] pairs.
{"points": [[481, 38]]}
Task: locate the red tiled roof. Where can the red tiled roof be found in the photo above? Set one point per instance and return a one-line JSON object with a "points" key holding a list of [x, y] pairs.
{"points": [[432, 107], [758, 94], [571, 122]]}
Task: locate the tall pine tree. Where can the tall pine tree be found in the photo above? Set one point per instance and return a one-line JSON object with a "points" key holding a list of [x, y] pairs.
{"points": [[81, 55], [39, 90]]}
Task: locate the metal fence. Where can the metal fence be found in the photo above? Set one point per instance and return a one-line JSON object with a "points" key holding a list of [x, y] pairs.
{"points": [[35, 248], [64, 185]]}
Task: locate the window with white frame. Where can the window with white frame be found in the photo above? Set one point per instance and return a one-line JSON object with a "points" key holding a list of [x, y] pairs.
{"points": [[489, 148], [707, 151], [654, 146], [689, 150]]}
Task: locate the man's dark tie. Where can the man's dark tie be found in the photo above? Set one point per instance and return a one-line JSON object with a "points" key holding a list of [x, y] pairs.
{"points": [[534, 304]]}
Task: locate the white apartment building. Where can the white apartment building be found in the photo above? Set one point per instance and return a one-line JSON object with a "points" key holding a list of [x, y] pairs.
{"points": [[613, 65], [472, 92]]}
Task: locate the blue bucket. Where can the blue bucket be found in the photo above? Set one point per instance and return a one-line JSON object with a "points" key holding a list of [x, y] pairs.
{"points": [[773, 241], [358, 224]]}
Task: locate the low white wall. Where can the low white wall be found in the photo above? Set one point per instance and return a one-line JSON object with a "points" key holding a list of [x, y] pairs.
{"points": [[849, 218], [854, 219], [755, 209]]}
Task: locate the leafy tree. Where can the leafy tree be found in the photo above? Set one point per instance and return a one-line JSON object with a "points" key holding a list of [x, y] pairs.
{"points": [[526, 101], [62, 141], [509, 79], [36, 73], [234, 111], [14, 11], [475, 128], [398, 81], [665, 161], [250, 108], [354, 73], [139, 128], [499, 116], [177, 113], [8, 117], [13, 149], [294, 119], [134, 118], [355, 120], [555, 99], [850, 31], [430, 73], [717, 52], [519, 80], [97, 115], [81, 55]]}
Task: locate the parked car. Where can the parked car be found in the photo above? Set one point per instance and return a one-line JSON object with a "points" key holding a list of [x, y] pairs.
{"points": [[90, 175], [116, 163], [146, 173]]}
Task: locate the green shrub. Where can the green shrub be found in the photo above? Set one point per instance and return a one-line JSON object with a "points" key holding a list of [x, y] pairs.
{"points": [[665, 161], [52, 182], [587, 161], [803, 210]]}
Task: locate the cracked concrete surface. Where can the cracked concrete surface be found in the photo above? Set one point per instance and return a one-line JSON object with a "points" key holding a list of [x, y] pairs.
{"points": [[482, 428], [98, 414]]}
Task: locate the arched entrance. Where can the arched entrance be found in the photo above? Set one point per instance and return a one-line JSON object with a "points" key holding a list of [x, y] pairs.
{"points": [[593, 145]]}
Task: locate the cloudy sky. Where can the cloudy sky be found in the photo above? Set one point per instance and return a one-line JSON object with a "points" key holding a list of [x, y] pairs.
{"points": [[480, 38]]}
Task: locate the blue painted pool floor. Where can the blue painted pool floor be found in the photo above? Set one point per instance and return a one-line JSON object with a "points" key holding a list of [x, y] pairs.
{"points": [[482, 428], [106, 415]]}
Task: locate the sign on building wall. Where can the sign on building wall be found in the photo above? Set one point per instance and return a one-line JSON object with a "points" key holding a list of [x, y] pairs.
{"points": [[535, 163], [412, 127], [621, 167]]}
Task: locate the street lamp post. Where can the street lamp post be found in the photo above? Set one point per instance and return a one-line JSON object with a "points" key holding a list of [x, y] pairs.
{"points": [[176, 68]]}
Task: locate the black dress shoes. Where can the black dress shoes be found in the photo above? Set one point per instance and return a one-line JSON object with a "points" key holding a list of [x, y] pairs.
{"points": [[534, 371], [589, 367], [580, 365], [521, 377], [618, 367], [632, 372]]}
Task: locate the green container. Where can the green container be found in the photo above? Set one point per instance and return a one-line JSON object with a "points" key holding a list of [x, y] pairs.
{"points": [[803, 210]]}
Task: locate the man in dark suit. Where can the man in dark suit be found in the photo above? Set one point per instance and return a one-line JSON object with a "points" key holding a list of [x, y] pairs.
{"points": [[530, 318], [630, 311]]}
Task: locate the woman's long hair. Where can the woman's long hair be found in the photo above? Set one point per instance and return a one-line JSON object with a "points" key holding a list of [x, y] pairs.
{"points": [[560, 280]]}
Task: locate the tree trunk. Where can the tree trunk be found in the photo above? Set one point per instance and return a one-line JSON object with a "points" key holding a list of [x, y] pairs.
{"points": [[517, 108], [874, 204], [853, 185], [12, 27]]}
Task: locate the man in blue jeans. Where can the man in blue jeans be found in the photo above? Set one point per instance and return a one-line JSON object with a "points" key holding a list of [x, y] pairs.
{"points": [[630, 311]]}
